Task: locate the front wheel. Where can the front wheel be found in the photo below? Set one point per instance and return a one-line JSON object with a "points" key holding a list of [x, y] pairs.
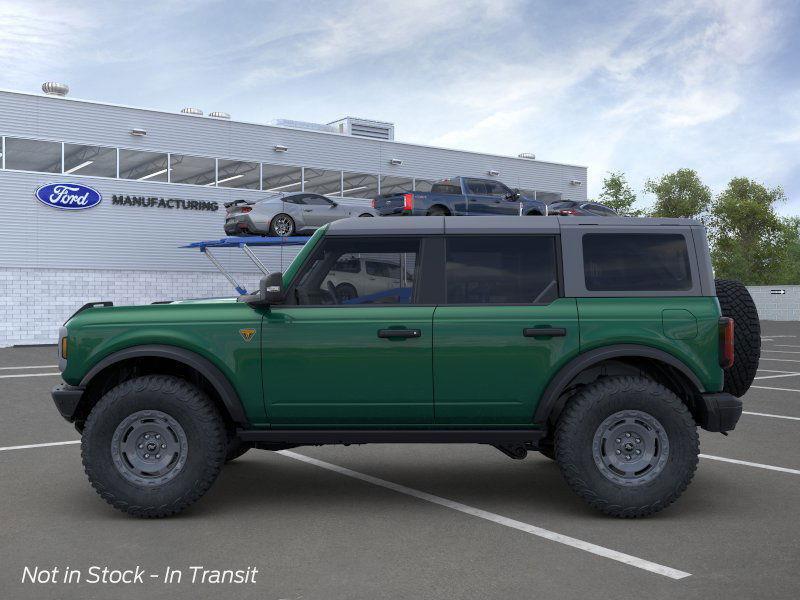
{"points": [[627, 445], [153, 445]]}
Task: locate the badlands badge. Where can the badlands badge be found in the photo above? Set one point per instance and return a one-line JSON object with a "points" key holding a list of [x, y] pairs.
{"points": [[247, 334]]}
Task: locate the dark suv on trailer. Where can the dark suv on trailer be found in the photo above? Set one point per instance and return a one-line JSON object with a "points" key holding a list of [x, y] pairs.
{"points": [[601, 342]]}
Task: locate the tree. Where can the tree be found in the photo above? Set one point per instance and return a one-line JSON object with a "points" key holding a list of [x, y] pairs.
{"points": [[750, 241], [679, 194], [617, 194]]}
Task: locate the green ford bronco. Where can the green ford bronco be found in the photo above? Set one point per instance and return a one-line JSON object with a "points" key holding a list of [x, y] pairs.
{"points": [[602, 343]]}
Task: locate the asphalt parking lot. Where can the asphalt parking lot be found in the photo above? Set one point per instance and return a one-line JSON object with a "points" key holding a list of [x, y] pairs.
{"points": [[423, 522]]}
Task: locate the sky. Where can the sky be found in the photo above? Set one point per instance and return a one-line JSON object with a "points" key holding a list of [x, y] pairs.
{"points": [[639, 87]]}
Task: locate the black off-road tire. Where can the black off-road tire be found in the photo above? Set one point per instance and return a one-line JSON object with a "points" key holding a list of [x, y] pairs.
{"points": [[585, 415], [202, 431], [736, 303]]}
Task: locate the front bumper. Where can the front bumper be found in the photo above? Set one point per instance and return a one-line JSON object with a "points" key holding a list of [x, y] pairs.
{"points": [[718, 412], [67, 399]]}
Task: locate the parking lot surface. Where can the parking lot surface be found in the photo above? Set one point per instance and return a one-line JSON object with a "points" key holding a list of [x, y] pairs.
{"points": [[411, 521]]}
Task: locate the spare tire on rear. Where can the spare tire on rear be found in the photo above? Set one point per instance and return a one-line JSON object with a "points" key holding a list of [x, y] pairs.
{"points": [[736, 303]]}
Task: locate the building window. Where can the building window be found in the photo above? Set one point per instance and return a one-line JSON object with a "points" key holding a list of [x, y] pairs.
{"points": [[280, 178], [237, 174], [359, 185], [194, 170], [97, 161], [144, 166], [33, 155], [396, 185], [320, 181]]}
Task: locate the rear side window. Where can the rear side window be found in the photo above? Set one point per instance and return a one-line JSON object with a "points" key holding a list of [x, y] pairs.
{"points": [[636, 262], [446, 187], [501, 270], [600, 209]]}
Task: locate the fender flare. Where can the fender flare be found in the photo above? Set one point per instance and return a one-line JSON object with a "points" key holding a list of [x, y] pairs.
{"points": [[205, 367], [549, 399]]}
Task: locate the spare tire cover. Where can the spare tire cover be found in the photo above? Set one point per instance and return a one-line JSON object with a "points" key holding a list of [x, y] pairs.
{"points": [[736, 303]]}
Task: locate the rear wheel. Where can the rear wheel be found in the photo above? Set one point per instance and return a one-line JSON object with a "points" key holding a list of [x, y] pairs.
{"points": [[153, 445], [345, 292], [437, 211], [736, 303], [282, 225], [627, 445]]}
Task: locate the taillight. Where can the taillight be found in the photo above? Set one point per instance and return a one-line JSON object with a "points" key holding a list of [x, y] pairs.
{"points": [[726, 342], [568, 211], [373, 203], [246, 209], [408, 202]]}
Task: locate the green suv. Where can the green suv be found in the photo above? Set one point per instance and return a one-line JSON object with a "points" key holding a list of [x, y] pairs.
{"points": [[602, 343]]}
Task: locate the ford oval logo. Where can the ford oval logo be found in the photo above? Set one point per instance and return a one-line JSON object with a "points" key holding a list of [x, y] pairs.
{"points": [[68, 196]]}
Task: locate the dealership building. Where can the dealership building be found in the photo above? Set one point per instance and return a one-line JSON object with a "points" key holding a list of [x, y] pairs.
{"points": [[162, 179]]}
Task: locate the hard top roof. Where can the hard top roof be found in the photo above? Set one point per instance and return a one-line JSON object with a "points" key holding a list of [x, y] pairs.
{"points": [[495, 225]]}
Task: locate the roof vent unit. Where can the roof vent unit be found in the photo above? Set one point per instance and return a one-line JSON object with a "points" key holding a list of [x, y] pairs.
{"points": [[192, 111], [376, 130], [303, 125], [219, 115], [51, 88], [527, 155]]}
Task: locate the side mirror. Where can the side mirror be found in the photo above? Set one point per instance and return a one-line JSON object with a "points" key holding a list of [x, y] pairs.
{"points": [[334, 204], [270, 291]]}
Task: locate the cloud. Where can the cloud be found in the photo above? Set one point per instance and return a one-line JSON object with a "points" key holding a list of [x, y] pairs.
{"points": [[38, 37]]}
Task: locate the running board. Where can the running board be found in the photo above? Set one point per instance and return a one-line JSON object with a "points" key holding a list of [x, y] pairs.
{"points": [[392, 436]]}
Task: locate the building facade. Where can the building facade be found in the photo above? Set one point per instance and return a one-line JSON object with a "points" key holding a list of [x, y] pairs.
{"points": [[163, 179]]}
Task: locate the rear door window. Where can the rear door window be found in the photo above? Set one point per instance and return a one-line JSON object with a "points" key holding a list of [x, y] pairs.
{"points": [[501, 269], [636, 262]]}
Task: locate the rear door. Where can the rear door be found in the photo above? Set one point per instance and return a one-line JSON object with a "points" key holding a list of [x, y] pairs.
{"points": [[503, 330], [354, 349]]}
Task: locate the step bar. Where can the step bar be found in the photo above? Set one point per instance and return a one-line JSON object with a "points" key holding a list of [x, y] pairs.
{"points": [[392, 436]]}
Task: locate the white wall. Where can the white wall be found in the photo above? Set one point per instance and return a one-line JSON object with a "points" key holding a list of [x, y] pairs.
{"points": [[777, 307], [34, 303]]}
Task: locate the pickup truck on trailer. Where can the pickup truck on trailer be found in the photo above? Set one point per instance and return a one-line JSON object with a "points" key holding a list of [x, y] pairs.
{"points": [[460, 196], [601, 342]]}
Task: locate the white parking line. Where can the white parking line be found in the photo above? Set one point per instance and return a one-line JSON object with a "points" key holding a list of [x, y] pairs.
{"points": [[780, 359], [28, 375], [39, 445], [756, 414], [763, 387], [634, 561], [781, 351], [785, 346], [777, 336], [30, 367], [751, 464], [776, 376]]}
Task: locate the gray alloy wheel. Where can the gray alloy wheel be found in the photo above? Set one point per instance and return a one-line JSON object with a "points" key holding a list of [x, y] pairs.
{"points": [[149, 448], [630, 447], [282, 225]]}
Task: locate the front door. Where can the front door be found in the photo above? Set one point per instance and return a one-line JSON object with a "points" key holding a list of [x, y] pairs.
{"points": [[351, 348], [489, 198], [319, 210], [503, 330]]}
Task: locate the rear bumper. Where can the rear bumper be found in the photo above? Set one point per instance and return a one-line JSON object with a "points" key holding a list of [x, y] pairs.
{"points": [[719, 412], [67, 399]]}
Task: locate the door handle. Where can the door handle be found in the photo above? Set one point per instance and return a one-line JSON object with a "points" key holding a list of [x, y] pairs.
{"points": [[544, 332], [399, 333], [307, 210]]}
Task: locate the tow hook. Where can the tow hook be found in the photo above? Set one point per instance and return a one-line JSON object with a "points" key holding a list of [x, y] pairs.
{"points": [[515, 451]]}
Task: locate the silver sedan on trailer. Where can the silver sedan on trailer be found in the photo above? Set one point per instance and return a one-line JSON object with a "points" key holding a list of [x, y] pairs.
{"points": [[285, 214]]}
